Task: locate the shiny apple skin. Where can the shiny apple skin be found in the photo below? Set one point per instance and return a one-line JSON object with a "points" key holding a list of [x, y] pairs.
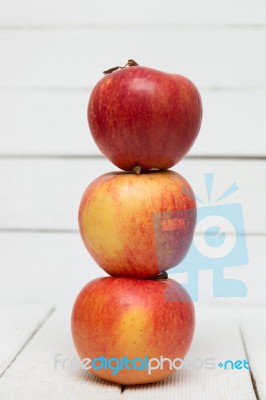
{"points": [[117, 317], [138, 225], [142, 116]]}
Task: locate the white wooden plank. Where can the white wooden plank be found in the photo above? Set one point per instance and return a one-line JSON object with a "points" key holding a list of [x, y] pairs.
{"points": [[251, 274], [52, 268], [217, 337], [44, 268], [47, 189], [55, 122], [253, 324], [119, 12], [35, 375], [46, 193], [18, 324], [215, 56]]}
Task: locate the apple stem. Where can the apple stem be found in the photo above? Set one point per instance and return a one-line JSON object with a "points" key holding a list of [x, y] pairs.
{"points": [[136, 169], [161, 276], [130, 63]]}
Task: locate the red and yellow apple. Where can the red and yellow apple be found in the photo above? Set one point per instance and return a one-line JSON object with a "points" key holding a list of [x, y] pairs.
{"points": [[138, 225], [142, 116], [133, 320]]}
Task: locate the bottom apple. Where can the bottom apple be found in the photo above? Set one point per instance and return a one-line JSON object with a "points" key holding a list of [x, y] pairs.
{"points": [[132, 331]]}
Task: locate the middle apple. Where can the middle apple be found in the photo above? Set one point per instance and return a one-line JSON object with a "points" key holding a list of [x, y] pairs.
{"points": [[138, 225]]}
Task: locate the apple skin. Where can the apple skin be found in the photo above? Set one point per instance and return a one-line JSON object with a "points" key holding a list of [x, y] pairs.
{"points": [[142, 116], [138, 225], [117, 317]]}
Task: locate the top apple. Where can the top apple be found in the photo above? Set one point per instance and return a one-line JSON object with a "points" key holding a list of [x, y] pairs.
{"points": [[140, 116]]}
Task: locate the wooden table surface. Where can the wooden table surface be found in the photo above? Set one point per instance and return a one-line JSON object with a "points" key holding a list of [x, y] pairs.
{"points": [[34, 337]]}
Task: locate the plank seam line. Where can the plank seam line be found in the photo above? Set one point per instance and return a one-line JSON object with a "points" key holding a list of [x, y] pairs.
{"points": [[76, 231], [36, 330], [252, 377], [233, 157], [88, 89], [40, 230], [130, 26]]}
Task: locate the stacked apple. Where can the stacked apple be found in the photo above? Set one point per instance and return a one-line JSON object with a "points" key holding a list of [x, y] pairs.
{"points": [[138, 224]]}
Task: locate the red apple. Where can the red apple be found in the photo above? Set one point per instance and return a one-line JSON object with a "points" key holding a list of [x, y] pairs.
{"points": [[142, 116], [138, 225], [138, 321]]}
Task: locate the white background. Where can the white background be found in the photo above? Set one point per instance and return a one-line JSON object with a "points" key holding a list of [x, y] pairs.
{"points": [[51, 54]]}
